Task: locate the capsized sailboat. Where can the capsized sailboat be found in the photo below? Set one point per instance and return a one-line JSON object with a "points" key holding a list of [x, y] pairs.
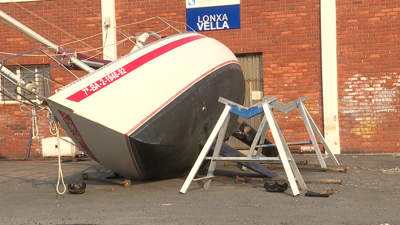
{"points": [[144, 115]]}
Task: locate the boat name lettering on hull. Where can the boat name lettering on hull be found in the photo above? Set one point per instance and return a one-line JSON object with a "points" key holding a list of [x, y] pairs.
{"points": [[121, 72], [104, 81]]}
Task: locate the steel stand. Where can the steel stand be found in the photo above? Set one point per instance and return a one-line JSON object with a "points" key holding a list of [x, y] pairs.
{"points": [[311, 128], [269, 121]]}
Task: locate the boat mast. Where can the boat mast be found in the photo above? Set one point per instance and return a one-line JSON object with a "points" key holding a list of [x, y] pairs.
{"points": [[11, 75], [44, 41]]}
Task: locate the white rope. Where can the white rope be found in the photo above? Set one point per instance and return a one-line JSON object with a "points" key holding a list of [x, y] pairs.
{"points": [[51, 119], [53, 128], [32, 110], [60, 173], [35, 132]]}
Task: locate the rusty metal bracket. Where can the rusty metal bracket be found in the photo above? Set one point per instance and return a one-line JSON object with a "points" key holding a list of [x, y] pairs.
{"points": [[325, 181], [125, 183]]}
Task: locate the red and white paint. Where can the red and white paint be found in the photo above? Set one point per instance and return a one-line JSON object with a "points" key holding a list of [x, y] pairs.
{"points": [[111, 103]]}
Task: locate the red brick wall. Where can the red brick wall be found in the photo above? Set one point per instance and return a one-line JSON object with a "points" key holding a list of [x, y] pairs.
{"points": [[15, 127], [68, 21], [287, 33], [368, 35]]}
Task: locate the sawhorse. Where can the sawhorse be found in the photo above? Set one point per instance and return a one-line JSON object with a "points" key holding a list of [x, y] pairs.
{"points": [[266, 106], [309, 123]]}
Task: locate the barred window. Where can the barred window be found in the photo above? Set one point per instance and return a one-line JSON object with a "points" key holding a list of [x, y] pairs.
{"points": [[27, 73]]}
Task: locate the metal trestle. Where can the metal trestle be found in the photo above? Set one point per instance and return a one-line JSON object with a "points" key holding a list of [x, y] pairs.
{"points": [[269, 121]]}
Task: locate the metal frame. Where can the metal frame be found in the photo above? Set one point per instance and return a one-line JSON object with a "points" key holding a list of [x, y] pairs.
{"points": [[269, 121], [19, 82], [222, 122], [311, 128]]}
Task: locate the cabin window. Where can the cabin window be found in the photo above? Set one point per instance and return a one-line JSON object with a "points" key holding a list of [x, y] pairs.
{"points": [[26, 73]]}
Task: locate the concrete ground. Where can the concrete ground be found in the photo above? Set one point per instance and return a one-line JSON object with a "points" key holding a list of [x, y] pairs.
{"points": [[368, 196]]}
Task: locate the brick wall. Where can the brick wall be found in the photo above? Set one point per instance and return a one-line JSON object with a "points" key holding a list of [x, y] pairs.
{"points": [[287, 33], [15, 127], [61, 22], [368, 38]]}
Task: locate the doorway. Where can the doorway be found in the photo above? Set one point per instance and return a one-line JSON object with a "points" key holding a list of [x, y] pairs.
{"points": [[252, 71]]}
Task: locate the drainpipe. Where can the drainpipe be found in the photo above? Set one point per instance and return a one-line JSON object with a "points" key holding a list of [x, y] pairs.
{"points": [[329, 75], [109, 29]]}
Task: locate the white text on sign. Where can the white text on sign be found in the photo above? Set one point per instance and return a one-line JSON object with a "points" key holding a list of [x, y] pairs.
{"points": [[213, 22]]}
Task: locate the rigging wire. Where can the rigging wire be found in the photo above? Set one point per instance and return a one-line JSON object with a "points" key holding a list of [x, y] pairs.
{"points": [[126, 34], [31, 71], [8, 94], [170, 25], [78, 15], [95, 13], [89, 50], [118, 28], [172, 21], [87, 8], [50, 23], [142, 21]]}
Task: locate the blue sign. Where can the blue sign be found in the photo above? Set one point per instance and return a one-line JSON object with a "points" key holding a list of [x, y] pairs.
{"points": [[215, 17], [192, 2]]}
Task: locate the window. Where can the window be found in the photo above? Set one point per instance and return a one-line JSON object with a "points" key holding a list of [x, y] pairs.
{"points": [[26, 73]]}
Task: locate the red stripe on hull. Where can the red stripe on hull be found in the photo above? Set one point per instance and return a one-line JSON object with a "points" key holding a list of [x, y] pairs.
{"points": [[133, 158], [71, 126], [121, 72]]}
